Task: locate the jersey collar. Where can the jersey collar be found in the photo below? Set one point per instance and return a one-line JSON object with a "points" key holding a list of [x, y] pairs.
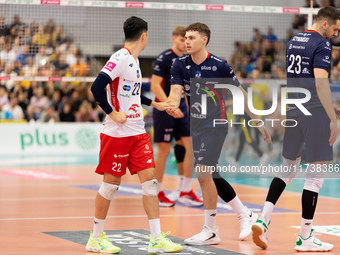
{"points": [[127, 50]]}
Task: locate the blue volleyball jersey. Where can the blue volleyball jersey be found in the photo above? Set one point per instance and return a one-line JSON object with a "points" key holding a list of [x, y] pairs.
{"points": [[162, 68], [208, 73], [305, 51]]}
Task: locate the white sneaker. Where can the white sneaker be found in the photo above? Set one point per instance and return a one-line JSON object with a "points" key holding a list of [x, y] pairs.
{"points": [[205, 237], [174, 195], [312, 244], [247, 219], [260, 230]]}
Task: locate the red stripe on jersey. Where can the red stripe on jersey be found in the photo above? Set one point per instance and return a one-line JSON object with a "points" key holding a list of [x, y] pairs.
{"points": [[162, 85], [114, 93], [311, 31], [127, 50]]}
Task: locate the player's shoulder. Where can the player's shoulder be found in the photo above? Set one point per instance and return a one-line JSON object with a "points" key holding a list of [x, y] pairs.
{"points": [[120, 55], [164, 55], [217, 61]]}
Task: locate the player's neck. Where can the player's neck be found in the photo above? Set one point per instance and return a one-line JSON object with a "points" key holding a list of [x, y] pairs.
{"points": [[316, 27], [199, 56], [134, 49], [178, 52]]}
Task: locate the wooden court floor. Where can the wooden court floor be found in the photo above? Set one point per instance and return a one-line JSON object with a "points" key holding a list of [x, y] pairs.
{"points": [[39, 199]]}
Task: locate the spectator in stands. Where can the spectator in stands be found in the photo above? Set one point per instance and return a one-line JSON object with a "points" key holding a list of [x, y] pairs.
{"points": [[12, 110], [22, 58], [46, 70], [9, 84], [39, 101], [41, 58], [67, 115], [16, 47], [54, 57], [4, 30], [270, 36], [61, 66], [16, 26], [325, 3], [23, 101], [56, 100], [49, 45], [27, 35], [49, 29], [257, 35], [58, 36], [8, 54], [30, 115], [50, 115], [30, 69], [79, 67], [41, 35], [299, 23], [71, 55], [85, 113]]}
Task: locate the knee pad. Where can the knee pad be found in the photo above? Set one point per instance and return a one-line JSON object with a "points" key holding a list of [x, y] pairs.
{"points": [[290, 169], [108, 190], [179, 151], [150, 188], [313, 184]]}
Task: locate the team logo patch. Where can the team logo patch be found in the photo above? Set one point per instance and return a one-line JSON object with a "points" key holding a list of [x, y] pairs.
{"points": [[198, 75], [109, 66], [127, 87], [134, 107], [138, 75], [131, 65]]}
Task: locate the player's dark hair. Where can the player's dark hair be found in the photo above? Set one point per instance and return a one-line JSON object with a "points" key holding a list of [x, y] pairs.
{"points": [[179, 30], [134, 27], [329, 13], [201, 28]]}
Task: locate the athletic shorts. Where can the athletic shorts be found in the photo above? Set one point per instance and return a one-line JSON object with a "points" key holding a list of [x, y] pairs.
{"points": [[117, 153], [312, 131], [207, 145], [166, 127]]}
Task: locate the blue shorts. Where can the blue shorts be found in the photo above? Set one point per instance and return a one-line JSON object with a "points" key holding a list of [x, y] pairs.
{"points": [[312, 131], [207, 145], [166, 127]]}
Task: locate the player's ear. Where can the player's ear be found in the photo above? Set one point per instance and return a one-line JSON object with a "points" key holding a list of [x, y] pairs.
{"points": [[324, 24], [205, 40]]}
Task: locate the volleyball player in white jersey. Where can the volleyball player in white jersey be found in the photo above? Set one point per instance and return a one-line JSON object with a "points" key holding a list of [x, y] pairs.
{"points": [[124, 141]]}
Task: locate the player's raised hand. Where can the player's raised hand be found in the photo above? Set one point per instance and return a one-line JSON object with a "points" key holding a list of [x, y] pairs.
{"points": [[119, 117], [265, 133]]}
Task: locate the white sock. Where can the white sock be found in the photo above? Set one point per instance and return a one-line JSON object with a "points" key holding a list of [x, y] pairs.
{"points": [[210, 219], [155, 228], [306, 228], [98, 227], [186, 184], [267, 210], [237, 205], [159, 187], [180, 182]]}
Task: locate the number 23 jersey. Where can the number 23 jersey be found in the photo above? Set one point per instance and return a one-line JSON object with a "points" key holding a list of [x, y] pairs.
{"points": [[123, 93]]}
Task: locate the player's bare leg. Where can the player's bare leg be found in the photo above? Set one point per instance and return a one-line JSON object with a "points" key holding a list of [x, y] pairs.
{"points": [[158, 241]]}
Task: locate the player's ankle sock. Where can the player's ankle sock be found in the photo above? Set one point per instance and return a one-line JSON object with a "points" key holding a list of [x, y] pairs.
{"points": [[237, 205], [267, 210], [155, 228], [186, 184], [306, 227], [180, 182], [159, 186], [98, 227], [210, 219]]}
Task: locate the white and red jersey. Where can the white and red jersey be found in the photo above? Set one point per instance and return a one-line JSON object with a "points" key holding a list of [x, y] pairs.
{"points": [[123, 93]]}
